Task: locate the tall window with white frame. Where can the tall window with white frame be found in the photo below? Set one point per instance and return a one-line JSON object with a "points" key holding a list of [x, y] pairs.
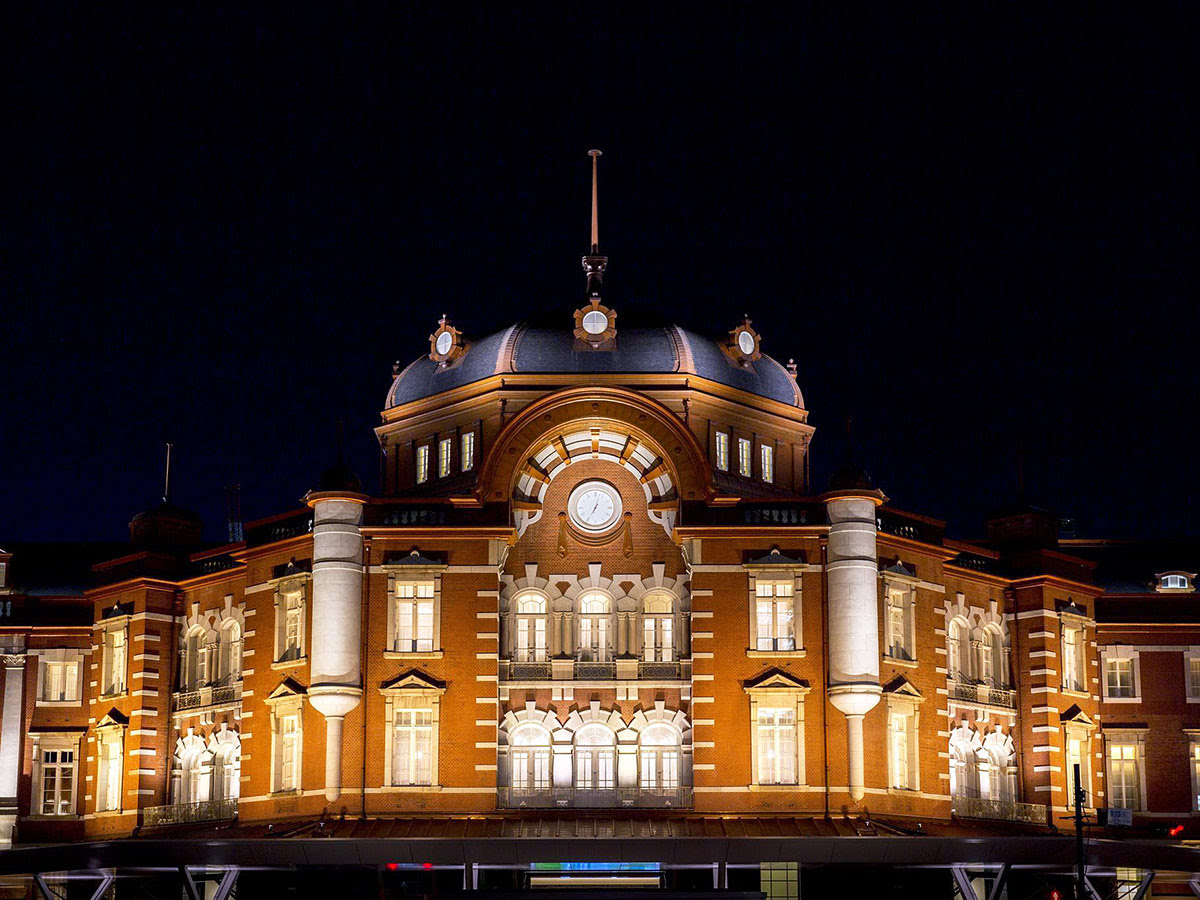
{"points": [[1119, 678], [595, 759], [777, 745], [1194, 765], [422, 464], [115, 660], [414, 617], [1073, 656], [744, 460], [109, 770], [290, 624], [531, 629], [529, 759], [898, 738], [444, 447], [229, 653], [60, 681], [1077, 755], [768, 463], [1124, 772], [658, 759], [194, 671], [58, 783], [993, 658], [466, 451], [594, 612], [722, 445], [412, 746], [658, 628], [774, 611], [901, 612], [958, 650], [1191, 663], [287, 750]]}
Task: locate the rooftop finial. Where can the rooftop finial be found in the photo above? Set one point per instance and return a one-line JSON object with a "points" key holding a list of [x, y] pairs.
{"points": [[167, 478], [594, 154]]}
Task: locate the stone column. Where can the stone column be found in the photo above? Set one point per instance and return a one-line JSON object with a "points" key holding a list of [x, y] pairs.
{"points": [[10, 743]]}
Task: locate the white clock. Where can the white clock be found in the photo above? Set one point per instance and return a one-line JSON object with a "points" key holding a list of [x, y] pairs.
{"points": [[445, 341], [594, 506], [745, 342]]}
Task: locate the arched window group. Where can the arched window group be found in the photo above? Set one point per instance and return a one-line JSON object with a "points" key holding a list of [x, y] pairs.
{"points": [[207, 769], [211, 659], [983, 659], [982, 766]]}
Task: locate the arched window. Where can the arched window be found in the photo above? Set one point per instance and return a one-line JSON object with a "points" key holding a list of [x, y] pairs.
{"points": [[229, 664], [958, 647], [194, 672], [993, 662], [964, 762], [529, 758], [658, 758], [658, 623], [594, 616], [595, 759], [227, 770], [531, 628], [193, 770], [998, 778]]}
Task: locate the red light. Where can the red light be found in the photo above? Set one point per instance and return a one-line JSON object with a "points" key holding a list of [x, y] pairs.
{"points": [[392, 867], [1176, 831], [426, 865], [1055, 895]]}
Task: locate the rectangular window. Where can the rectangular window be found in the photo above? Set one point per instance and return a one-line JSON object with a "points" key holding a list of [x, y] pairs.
{"points": [[531, 639], [1124, 776], [114, 661], [422, 464], [899, 738], [412, 747], [444, 446], [768, 463], [1194, 760], [58, 780], [60, 681], [291, 628], [774, 615], [1073, 658], [744, 457], [658, 643], [414, 617], [899, 624], [530, 769], [466, 451], [289, 752], [776, 746], [1193, 676], [722, 451], [1118, 677], [1076, 756], [108, 795]]}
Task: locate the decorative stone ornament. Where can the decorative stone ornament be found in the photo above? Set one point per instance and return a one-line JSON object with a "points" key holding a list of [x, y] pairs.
{"points": [[446, 343], [595, 324], [743, 343]]}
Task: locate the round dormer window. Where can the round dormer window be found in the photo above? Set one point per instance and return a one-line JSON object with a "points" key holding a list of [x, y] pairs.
{"points": [[445, 341], [745, 342], [595, 322]]}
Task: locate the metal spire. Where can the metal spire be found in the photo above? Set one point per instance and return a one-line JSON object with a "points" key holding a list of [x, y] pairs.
{"points": [[167, 477], [595, 204]]}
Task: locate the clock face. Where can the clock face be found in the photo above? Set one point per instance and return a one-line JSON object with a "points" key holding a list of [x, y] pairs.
{"points": [[595, 322], [445, 341], [594, 505], [746, 342]]}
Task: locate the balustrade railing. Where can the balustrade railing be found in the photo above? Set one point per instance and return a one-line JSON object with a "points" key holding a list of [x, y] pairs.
{"points": [[530, 671], [594, 798], [976, 692], [595, 671], [209, 695], [1000, 810], [665, 670], [183, 813]]}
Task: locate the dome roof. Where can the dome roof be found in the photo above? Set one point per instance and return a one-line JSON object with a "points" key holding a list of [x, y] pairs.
{"points": [[526, 348]]}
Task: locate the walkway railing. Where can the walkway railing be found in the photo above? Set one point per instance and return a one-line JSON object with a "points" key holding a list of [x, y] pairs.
{"points": [[592, 798], [976, 692], [183, 813], [1000, 810], [207, 696]]}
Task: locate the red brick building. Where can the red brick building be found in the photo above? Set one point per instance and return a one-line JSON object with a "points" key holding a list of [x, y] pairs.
{"points": [[595, 578]]}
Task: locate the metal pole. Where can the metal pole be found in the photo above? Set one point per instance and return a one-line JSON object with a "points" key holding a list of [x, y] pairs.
{"points": [[1080, 866]]}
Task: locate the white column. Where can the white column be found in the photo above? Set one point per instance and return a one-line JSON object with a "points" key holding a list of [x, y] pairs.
{"points": [[336, 620], [852, 574], [10, 744]]}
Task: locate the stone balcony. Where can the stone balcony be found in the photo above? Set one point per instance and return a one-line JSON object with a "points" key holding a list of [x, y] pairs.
{"points": [[1000, 810], [983, 694], [207, 699], [186, 813], [624, 669], [592, 798]]}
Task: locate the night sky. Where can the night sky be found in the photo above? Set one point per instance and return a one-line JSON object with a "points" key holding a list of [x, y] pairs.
{"points": [[969, 225]]}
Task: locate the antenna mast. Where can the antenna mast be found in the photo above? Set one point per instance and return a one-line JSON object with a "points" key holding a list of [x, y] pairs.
{"points": [[167, 477], [595, 204]]}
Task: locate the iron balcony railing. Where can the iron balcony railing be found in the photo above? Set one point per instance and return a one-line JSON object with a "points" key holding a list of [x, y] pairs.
{"points": [[595, 671], [530, 671], [209, 695], [978, 692], [668, 671], [594, 798], [598, 670], [1000, 810], [184, 813]]}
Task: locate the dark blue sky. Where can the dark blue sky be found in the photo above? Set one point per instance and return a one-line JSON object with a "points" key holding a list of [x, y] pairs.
{"points": [[968, 225]]}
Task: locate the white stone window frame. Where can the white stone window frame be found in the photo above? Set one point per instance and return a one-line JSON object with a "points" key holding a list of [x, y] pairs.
{"points": [[657, 618], [777, 696], [1137, 737], [285, 588], [908, 706], [1115, 652], [721, 450], [1188, 586], [1070, 622], [745, 457], [1191, 688], [109, 732], [59, 655], [1085, 733], [907, 587], [109, 689], [516, 617], [1193, 736], [282, 705], [466, 450], [413, 574], [776, 573], [421, 463], [445, 457], [55, 740], [767, 463], [609, 648], [411, 694]]}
